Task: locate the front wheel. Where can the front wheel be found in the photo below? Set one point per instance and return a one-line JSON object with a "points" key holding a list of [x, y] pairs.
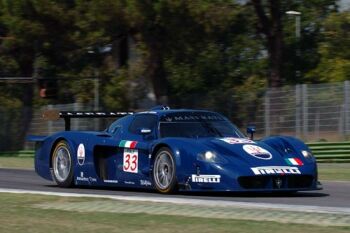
{"points": [[164, 171], [62, 165]]}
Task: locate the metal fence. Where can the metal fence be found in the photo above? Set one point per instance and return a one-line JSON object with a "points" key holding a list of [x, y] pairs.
{"points": [[314, 112], [12, 121], [317, 112], [39, 126]]}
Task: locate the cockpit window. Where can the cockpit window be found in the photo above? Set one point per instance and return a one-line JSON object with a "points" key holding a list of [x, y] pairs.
{"points": [[148, 121], [116, 126]]}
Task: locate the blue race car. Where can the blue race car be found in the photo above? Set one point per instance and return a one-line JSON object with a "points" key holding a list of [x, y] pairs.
{"points": [[169, 150]]}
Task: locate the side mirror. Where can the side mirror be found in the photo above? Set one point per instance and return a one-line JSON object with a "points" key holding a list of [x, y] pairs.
{"points": [[145, 131], [251, 130]]}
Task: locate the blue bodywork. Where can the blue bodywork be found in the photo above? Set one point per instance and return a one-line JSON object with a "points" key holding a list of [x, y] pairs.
{"points": [[236, 165]]}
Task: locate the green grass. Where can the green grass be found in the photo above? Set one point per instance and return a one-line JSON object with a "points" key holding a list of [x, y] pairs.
{"points": [[18, 214], [17, 162], [334, 171], [327, 171]]}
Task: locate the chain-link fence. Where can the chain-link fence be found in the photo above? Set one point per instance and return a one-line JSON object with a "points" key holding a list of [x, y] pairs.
{"points": [[12, 121], [311, 112]]}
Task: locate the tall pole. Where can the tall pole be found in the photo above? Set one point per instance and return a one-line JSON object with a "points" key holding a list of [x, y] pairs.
{"points": [[297, 36]]}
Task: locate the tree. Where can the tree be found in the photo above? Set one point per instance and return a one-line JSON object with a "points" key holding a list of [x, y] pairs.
{"points": [[281, 43], [193, 47], [40, 45], [270, 25], [313, 15], [333, 50]]}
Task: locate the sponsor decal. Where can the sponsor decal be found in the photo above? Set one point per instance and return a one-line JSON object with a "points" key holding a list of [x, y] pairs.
{"points": [[145, 183], [111, 181], [206, 178], [91, 179], [128, 144], [130, 160], [236, 140], [86, 179], [129, 182], [275, 170], [81, 154], [82, 179], [257, 152], [191, 118], [294, 161], [150, 112]]}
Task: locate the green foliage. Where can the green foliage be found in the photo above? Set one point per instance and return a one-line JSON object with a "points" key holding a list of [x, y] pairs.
{"points": [[10, 115], [9, 66], [38, 28], [333, 50], [183, 49], [116, 91], [200, 53], [313, 15]]}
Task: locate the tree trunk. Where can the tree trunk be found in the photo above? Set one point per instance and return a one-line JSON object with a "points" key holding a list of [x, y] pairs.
{"points": [[156, 73], [27, 109], [270, 25]]}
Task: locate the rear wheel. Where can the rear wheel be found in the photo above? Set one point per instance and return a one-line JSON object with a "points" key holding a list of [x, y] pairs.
{"points": [[62, 165], [164, 171]]}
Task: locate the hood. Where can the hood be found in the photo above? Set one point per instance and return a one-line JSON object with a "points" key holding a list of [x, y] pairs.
{"points": [[245, 150]]}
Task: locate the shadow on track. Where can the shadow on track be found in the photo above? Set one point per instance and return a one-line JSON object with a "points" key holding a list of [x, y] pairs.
{"points": [[140, 191]]}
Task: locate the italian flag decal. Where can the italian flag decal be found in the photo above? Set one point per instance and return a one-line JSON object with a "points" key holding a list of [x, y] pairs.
{"points": [[294, 161], [127, 144]]}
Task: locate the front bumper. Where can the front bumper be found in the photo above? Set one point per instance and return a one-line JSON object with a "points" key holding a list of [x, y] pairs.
{"points": [[285, 183]]}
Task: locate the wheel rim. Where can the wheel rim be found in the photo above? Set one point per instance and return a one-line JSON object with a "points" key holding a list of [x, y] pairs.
{"points": [[61, 163], [163, 170]]}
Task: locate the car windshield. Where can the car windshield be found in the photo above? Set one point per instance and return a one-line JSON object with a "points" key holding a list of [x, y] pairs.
{"points": [[197, 125]]}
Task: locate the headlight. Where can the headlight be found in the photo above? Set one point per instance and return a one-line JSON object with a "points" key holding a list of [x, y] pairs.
{"points": [[210, 156], [307, 154]]}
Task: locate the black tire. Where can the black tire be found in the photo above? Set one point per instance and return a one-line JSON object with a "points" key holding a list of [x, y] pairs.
{"points": [[62, 156], [164, 171]]}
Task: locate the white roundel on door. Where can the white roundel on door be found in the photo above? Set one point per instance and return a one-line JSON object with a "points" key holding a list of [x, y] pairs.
{"points": [[257, 152], [81, 154]]}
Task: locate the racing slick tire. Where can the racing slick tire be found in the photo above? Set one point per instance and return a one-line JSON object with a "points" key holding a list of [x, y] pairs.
{"points": [[164, 171], [62, 165]]}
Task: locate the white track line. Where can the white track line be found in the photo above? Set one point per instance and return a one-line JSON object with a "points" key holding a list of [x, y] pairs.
{"points": [[191, 201]]}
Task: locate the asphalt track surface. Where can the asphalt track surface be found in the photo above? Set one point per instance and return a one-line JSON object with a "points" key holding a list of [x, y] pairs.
{"points": [[334, 194]]}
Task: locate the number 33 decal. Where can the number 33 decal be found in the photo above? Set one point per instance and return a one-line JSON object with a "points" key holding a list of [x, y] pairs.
{"points": [[130, 160]]}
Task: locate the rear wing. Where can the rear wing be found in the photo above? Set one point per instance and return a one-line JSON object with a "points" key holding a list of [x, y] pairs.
{"points": [[53, 115]]}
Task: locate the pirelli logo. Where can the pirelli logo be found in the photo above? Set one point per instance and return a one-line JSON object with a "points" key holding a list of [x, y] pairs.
{"points": [[275, 170], [206, 178]]}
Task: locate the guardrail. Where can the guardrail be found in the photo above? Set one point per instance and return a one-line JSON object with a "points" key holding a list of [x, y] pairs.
{"points": [[20, 153], [331, 152], [325, 152]]}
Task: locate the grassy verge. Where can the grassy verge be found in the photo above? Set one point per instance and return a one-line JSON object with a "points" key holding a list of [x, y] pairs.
{"points": [[18, 214], [17, 162], [327, 171], [334, 171]]}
